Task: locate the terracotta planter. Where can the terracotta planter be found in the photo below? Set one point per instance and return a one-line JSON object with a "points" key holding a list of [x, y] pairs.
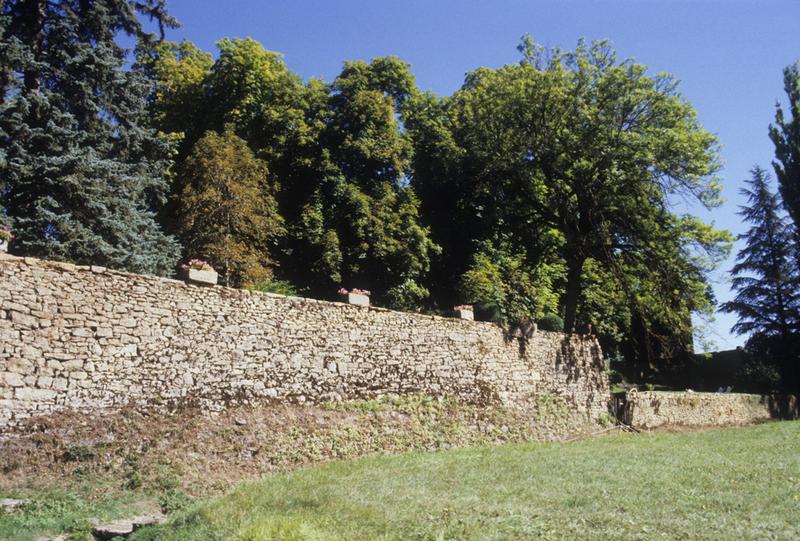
{"points": [[469, 315], [201, 276], [356, 298]]}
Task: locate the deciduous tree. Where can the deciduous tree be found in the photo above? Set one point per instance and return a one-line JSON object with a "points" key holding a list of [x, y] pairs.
{"points": [[577, 155], [227, 209]]}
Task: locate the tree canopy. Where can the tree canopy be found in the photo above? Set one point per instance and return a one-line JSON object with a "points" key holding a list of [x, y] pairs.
{"points": [[575, 154], [227, 212], [766, 278], [785, 135], [82, 173]]}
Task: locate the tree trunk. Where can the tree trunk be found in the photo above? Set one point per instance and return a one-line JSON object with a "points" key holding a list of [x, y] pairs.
{"points": [[35, 15], [575, 263]]}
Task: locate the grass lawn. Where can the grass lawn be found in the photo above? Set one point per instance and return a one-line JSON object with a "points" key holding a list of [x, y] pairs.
{"points": [[736, 483]]}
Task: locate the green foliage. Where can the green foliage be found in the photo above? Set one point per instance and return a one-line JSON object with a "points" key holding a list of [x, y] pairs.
{"points": [[353, 220], [271, 285], [174, 500], [575, 155], [767, 281], [81, 174], [551, 322], [785, 135], [765, 275], [502, 284], [227, 212]]}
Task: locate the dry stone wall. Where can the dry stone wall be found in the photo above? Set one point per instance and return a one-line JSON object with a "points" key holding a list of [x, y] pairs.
{"points": [[652, 409], [91, 339]]}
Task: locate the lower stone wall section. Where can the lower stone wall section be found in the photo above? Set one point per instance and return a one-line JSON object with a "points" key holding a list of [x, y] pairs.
{"points": [[90, 339], [653, 409]]}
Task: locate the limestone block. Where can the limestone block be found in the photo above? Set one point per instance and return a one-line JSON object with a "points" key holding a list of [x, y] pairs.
{"points": [[23, 319], [12, 379], [29, 394]]}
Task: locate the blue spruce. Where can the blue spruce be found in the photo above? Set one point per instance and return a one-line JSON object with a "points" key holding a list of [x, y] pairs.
{"points": [[81, 174]]}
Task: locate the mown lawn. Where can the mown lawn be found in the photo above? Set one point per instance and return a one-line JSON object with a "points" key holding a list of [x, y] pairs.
{"points": [[736, 483]]}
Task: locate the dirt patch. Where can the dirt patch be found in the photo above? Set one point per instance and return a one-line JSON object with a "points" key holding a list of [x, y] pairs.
{"points": [[202, 453]]}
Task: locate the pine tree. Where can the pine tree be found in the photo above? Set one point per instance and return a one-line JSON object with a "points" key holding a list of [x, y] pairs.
{"points": [[786, 137], [765, 275], [81, 175]]}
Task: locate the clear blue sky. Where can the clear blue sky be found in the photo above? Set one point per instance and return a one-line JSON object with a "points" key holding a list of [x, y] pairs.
{"points": [[728, 55]]}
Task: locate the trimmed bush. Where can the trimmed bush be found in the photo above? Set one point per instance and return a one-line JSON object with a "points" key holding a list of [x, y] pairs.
{"points": [[551, 322]]}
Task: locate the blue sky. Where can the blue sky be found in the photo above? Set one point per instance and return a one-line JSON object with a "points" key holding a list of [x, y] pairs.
{"points": [[728, 55]]}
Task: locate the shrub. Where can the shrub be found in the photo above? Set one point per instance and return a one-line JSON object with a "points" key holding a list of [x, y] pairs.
{"points": [[270, 285], [551, 322]]}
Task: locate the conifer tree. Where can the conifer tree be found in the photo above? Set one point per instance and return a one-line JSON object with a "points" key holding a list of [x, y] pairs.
{"points": [[765, 275], [81, 174], [785, 134]]}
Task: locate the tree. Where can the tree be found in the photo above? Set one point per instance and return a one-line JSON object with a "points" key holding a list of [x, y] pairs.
{"points": [[337, 151], [766, 278], [227, 209], [576, 155], [82, 175], [785, 135]]}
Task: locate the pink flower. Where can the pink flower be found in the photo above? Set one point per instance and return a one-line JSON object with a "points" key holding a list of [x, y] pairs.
{"points": [[197, 264], [6, 234], [343, 291]]}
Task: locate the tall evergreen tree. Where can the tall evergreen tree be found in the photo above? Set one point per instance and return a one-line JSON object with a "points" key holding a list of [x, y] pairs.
{"points": [[765, 275], [81, 174], [785, 134]]}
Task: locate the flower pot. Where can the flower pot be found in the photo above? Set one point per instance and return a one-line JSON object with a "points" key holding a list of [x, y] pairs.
{"points": [[201, 276], [356, 298], [469, 315], [3, 245]]}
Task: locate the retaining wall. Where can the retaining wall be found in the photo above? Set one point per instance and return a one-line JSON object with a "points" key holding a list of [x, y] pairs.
{"points": [[652, 409], [91, 339]]}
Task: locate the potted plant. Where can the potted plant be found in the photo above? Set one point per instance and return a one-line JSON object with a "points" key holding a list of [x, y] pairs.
{"points": [[5, 238], [464, 311], [355, 296], [200, 272]]}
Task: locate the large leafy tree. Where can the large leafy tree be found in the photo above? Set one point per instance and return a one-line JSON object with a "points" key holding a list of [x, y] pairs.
{"points": [[337, 150], [785, 134], [227, 209], [577, 155], [82, 174], [766, 278]]}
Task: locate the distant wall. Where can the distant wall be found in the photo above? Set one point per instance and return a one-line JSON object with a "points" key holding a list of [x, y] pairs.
{"points": [[653, 409], [90, 339]]}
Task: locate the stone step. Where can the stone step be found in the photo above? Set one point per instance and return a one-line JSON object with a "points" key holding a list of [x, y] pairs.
{"points": [[125, 527]]}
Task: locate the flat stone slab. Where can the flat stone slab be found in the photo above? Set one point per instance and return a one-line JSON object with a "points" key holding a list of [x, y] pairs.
{"points": [[125, 527], [10, 504]]}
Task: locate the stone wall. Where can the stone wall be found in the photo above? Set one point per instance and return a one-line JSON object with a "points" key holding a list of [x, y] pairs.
{"points": [[652, 409], [91, 339]]}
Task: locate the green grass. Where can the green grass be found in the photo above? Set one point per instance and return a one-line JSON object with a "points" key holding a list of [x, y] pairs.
{"points": [[68, 511], [737, 483]]}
